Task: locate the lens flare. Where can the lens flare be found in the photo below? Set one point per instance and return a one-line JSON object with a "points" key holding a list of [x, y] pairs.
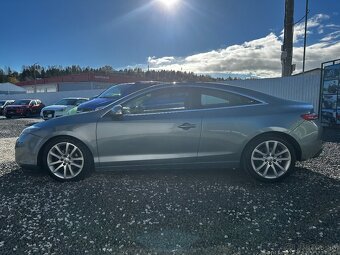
{"points": [[169, 3]]}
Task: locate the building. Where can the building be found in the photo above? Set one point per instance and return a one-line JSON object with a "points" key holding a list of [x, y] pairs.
{"points": [[83, 81], [10, 89]]}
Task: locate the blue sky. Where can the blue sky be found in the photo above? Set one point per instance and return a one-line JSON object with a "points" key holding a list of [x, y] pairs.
{"points": [[125, 33]]}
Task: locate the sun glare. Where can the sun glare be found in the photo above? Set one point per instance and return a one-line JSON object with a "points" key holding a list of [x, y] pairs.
{"points": [[169, 3]]}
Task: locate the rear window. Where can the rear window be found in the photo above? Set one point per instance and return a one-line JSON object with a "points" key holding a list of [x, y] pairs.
{"points": [[210, 98]]}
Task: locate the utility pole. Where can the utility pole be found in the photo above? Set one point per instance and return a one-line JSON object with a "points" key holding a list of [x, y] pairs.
{"points": [[35, 78], [305, 39], [287, 47]]}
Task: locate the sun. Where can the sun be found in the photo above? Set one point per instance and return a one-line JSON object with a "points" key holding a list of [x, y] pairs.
{"points": [[169, 3]]}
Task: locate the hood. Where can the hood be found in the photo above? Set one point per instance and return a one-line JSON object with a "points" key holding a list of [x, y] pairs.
{"points": [[61, 123], [58, 107], [96, 102]]}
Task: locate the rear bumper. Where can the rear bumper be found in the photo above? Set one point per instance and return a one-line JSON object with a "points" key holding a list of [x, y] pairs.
{"points": [[309, 137], [21, 113], [318, 153]]}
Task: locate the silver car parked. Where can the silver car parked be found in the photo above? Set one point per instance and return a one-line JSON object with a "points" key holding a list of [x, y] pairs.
{"points": [[176, 125]]}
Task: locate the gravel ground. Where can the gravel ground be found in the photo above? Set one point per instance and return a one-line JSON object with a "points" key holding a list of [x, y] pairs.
{"points": [[169, 212]]}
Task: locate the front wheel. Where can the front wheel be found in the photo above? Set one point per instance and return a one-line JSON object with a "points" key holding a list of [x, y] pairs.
{"points": [[67, 159], [269, 158]]}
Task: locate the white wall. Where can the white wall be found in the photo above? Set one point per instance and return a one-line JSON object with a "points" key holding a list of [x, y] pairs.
{"points": [[49, 98], [304, 88]]}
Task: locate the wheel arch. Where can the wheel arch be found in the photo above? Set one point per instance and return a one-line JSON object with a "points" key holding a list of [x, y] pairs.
{"points": [[285, 136], [42, 148]]}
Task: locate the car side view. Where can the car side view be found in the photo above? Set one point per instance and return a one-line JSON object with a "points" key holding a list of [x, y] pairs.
{"points": [[61, 108], [177, 125], [24, 108]]}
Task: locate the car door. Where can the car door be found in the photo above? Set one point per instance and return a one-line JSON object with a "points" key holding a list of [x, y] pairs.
{"points": [[157, 127], [226, 119]]}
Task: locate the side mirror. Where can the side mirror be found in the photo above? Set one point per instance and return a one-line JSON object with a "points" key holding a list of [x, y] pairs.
{"points": [[117, 111]]}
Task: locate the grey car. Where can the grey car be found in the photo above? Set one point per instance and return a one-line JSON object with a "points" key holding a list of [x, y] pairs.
{"points": [[177, 125]]}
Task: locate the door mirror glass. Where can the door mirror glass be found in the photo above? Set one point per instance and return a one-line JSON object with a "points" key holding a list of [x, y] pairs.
{"points": [[117, 111]]}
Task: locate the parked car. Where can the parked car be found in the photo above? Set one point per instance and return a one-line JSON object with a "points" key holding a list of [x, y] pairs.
{"points": [[24, 108], [177, 125], [112, 94], [3, 104], [61, 108]]}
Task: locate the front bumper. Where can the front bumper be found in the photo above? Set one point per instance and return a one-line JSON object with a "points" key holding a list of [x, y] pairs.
{"points": [[27, 149]]}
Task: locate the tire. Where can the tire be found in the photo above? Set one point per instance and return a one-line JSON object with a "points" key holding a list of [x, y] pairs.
{"points": [[78, 165], [269, 165], [8, 117], [28, 114]]}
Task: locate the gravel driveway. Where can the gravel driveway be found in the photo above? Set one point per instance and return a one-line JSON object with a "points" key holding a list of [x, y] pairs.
{"points": [[169, 212]]}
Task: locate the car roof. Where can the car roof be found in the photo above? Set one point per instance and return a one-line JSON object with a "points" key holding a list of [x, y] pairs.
{"points": [[26, 99], [222, 86]]}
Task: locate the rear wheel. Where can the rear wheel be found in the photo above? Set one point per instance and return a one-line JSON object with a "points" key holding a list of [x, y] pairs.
{"points": [[269, 158], [67, 159]]}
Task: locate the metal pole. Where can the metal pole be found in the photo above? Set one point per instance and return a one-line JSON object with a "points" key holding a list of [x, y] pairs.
{"points": [[287, 48], [305, 39], [35, 79]]}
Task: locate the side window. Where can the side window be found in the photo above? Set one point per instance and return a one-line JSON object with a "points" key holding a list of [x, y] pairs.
{"points": [[80, 101], [33, 103], [162, 100], [211, 98]]}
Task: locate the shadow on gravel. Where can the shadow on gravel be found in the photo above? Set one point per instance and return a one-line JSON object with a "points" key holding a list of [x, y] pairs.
{"points": [[331, 135], [169, 212]]}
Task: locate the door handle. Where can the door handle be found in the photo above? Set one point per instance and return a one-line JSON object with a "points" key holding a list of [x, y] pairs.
{"points": [[187, 126]]}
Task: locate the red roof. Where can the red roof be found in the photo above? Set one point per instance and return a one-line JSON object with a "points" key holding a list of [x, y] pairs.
{"points": [[83, 77]]}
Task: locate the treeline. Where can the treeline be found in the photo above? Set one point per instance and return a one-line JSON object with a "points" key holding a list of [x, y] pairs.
{"points": [[33, 72]]}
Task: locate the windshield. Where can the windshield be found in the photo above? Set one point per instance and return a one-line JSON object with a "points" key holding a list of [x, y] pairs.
{"points": [[116, 91], [22, 102], [2, 103], [67, 101]]}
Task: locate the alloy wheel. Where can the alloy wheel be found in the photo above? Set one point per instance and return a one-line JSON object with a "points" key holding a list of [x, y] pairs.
{"points": [[271, 159], [65, 160]]}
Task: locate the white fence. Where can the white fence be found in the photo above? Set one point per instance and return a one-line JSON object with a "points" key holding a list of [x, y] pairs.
{"points": [[49, 98], [304, 88]]}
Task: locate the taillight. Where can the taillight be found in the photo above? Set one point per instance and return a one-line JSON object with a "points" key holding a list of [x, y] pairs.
{"points": [[310, 116]]}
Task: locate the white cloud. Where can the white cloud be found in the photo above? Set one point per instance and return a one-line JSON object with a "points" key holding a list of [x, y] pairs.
{"points": [[313, 22], [260, 57], [331, 36]]}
